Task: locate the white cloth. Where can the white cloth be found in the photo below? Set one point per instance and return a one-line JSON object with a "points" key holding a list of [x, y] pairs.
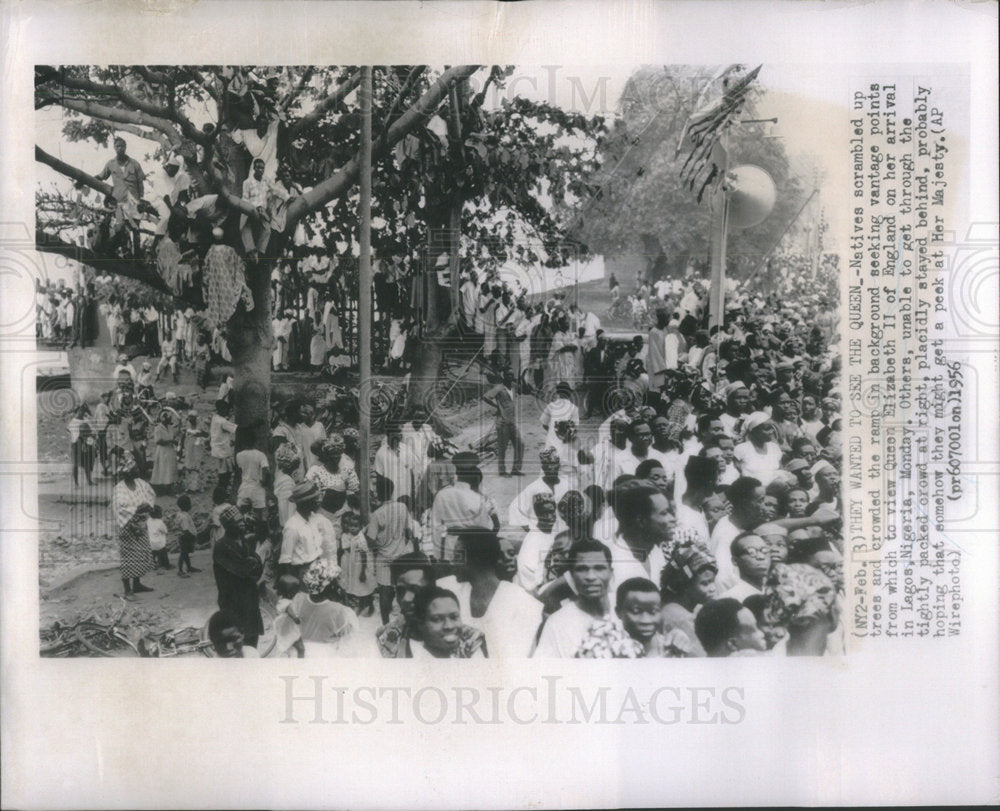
{"points": [[761, 466], [625, 565], [564, 632], [559, 410], [521, 512], [722, 536], [510, 622], [740, 591], [531, 559], [302, 540]]}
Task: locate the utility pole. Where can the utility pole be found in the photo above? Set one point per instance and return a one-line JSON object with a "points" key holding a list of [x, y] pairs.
{"points": [[365, 290]]}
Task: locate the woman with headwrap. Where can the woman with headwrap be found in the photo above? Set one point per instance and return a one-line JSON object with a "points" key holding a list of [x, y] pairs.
{"points": [[737, 406], [332, 470], [133, 500], [802, 600], [687, 582], [759, 457], [325, 621], [287, 464], [237, 569]]}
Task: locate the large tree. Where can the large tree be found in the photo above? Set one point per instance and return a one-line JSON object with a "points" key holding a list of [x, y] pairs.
{"points": [[640, 203], [445, 154]]}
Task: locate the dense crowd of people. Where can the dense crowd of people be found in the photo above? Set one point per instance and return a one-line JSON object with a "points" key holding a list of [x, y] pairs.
{"points": [[687, 501]]}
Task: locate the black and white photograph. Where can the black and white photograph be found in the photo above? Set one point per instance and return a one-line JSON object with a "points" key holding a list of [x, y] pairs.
{"points": [[407, 362], [353, 337]]}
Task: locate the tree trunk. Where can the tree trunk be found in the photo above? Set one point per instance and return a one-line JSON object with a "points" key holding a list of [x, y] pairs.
{"points": [[251, 343]]}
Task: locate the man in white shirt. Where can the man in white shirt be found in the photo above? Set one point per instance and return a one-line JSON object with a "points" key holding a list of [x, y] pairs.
{"points": [[456, 506], [507, 615], [394, 461], [255, 229], [752, 557], [521, 512], [303, 534], [645, 523], [565, 630], [701, 476], [746, 495], [641, 436], [536, 544]]}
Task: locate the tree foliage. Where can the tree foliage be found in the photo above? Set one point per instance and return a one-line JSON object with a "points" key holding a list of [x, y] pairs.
{"points": [[638, 202]]}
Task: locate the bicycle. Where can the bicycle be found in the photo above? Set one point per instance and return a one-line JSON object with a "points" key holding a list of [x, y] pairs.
{"points": [[89, 638]]}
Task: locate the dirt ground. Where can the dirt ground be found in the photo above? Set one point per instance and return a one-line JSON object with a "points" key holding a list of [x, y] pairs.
{"points": [[78, 556]]}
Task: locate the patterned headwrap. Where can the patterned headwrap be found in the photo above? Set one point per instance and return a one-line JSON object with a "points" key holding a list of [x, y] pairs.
{"points": [[351, 435], [334, 444], [647, 414], [543, 503], [796, 594], [565, 430], [548, 455], [229, 517], [320, 574], [286, 458], [684, 563], [573, 503], [127, 465]]}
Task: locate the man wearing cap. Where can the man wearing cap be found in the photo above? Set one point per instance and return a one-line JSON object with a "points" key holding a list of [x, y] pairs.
{"points": [[804, 476], [303, 535]]}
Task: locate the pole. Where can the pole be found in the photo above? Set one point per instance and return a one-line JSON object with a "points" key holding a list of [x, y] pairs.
{"points": [[720, 215], [365, 289]]}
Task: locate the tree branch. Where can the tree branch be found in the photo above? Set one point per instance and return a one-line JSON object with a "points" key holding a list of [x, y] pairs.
{"points": [[411, 78], [72, 172], [337, 184], [128, 268], [130, 100], [324, 106], [121, 115]]}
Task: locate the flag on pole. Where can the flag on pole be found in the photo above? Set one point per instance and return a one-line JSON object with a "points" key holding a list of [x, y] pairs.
{"points": [[707, 124]]}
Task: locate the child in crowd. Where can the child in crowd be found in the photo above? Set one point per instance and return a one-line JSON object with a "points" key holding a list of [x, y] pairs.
{"points": [[188, 533], [357, 576], [287, 626], [391, 532], [158, 538]]}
